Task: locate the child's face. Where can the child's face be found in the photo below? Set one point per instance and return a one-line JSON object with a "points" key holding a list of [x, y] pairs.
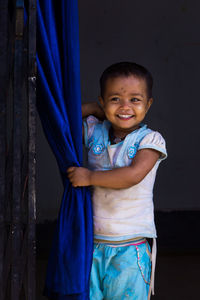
{"points": [[125, 103]]}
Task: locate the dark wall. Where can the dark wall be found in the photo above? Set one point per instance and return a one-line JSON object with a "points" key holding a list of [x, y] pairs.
{"points": [[164, 37]]}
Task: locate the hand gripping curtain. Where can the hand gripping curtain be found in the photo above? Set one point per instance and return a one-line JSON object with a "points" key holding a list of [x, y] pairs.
{"points": [[59, 107]]}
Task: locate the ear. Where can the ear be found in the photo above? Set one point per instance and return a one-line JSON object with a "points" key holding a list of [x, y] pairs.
{"points": [[149, 103], [101, 101]]}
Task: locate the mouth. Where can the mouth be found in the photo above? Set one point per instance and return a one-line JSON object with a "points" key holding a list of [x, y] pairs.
{"points": [[125, 117]]}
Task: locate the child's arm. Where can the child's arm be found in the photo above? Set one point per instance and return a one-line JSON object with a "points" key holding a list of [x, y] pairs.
{"points": [[92, 108], [119, 178]]}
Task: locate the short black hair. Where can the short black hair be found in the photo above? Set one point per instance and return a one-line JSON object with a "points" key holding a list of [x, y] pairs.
{"points": [[125, 69]]}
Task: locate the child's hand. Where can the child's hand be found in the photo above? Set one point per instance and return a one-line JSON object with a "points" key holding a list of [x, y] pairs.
{"points": [[79, 176], [93, 108], [98, 111]]}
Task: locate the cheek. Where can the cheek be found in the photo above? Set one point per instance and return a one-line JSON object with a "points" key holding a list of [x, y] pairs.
{"points": [[141, 109], [109, 109]]}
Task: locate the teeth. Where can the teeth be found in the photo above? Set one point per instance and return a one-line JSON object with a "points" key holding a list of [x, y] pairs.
{"points": [[125, 116]]}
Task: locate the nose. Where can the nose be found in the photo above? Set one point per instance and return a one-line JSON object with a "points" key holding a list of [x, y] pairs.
{"points": [[125, 104]]}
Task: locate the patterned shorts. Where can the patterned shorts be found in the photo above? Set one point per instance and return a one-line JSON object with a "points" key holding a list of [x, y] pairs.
{"points": [[120, 272]]}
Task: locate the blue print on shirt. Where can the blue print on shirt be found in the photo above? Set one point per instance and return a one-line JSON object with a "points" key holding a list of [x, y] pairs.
{"points": [[98, 149], [132, 150]]}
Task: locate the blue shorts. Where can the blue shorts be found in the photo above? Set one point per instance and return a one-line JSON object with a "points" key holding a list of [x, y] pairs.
{"points": [[120, 272]]}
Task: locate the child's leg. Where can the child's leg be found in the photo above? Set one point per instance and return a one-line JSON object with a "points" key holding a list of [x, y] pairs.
{"points": [[96, 274], [120, 273]]}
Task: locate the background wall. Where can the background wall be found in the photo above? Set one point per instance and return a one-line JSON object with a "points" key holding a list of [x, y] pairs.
{"points": [[164, 37]]}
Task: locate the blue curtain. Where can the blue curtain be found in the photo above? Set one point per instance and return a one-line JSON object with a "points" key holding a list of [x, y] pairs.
{"points": [[59, 107]]}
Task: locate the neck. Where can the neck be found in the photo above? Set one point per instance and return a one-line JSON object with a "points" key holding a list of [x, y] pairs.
{"points": [[116, 136], [122, 133]]}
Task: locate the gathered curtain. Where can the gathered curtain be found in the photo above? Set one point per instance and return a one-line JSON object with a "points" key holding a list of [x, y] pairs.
{"points": [[59, 108]]}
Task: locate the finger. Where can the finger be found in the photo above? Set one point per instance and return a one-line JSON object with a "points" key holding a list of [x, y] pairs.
{"points": [[70, 176], [70, 169]]}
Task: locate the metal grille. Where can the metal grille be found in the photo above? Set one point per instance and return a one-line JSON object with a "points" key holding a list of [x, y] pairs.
{"points": [[17, 149]]}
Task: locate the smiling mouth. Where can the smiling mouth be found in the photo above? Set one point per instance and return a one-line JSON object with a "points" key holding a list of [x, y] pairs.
{"points": [[125, 117]]}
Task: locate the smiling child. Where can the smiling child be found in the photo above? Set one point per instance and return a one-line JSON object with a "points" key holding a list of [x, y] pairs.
{"points": [[123, 157]]}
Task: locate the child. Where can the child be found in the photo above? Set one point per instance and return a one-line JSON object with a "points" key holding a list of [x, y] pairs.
{"points": [[123, 157]]}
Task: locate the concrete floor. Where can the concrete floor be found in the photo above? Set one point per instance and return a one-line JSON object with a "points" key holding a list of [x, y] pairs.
{"points": [[177, 277]]}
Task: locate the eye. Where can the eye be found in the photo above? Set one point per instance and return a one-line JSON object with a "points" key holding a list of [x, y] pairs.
{"points": [[135, 100], [114, 99]]}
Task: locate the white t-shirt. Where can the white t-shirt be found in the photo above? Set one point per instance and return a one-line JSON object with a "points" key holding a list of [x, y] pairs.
{"points": [[122, 213]]}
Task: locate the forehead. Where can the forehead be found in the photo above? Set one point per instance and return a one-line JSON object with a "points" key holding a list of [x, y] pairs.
{"points": [[130, 85]]}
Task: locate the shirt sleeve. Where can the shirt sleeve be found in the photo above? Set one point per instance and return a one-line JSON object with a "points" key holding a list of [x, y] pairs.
{"points": [[88, 128], [154, 140]]}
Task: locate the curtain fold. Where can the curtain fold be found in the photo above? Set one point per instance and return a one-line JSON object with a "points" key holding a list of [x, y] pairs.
{"points": [[59, 108]]}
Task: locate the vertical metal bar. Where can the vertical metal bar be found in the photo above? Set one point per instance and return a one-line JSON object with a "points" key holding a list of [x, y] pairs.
{"points": [[17, 109], [31, 149], [3, 98]]}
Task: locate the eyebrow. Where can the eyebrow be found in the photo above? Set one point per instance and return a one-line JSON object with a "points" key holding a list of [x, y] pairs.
{"points": [[137, 94], [118, 94]]}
